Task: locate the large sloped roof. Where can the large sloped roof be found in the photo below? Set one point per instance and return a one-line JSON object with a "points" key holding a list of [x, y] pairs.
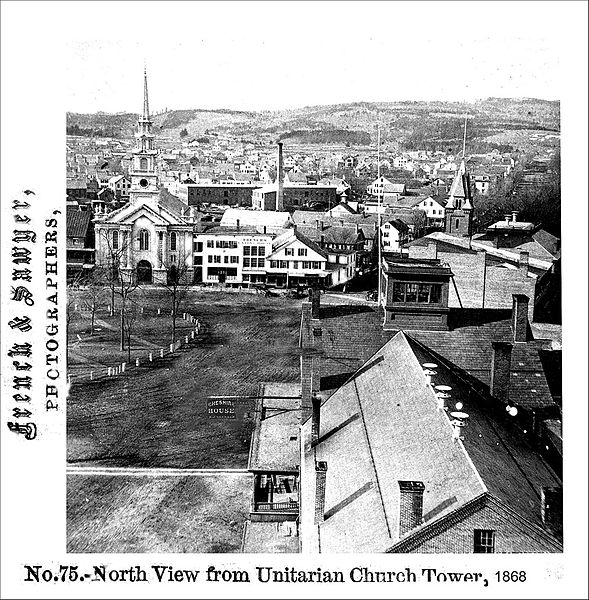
{"points": [[384, 426], [381, 427], [351, 334], [256, 218]]}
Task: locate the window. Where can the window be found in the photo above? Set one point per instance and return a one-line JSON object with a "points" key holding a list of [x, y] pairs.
{"points": [[316, 265], [115, 240], [254, 251], [289, 251], [210, 243], [284, 264], [234, 260], [173, 241], [457, 223], [274, 264], [261, 263], [226, 259], [143, 164], [261, 251], [484, 541], [246, 250], [306, 265], [246, 262], [216, 258], [295, 264], [226, 244], [197, 246], [210, 258], [144, 239], [422, 293], [302, 252], [197, 260]]}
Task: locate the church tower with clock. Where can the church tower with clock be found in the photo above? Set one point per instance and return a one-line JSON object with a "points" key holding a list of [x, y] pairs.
{"points": [[143, 175]]}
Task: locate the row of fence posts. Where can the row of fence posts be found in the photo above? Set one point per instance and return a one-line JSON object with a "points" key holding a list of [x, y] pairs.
{"points": [[113, 371]]}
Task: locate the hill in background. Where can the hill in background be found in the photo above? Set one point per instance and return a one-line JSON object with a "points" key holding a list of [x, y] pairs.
{"points": [[405, 125]]}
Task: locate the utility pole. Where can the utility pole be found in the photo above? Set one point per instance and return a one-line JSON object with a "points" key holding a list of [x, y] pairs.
{"points": [[378, 208], [464, 140]]}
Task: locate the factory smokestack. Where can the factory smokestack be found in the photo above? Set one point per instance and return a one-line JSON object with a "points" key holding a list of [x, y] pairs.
{"points": [[280, 180]]}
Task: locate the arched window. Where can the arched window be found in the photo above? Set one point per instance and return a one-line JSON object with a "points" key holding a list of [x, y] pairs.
{"points": [[143, 164], [144, 240], [173, 241], [115, 240]]}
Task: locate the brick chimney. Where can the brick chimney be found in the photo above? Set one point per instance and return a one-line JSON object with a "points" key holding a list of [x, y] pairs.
{"points": [[551, 509], [280, 180], [315, 298], [519, 318], [410, 505], [524, 262], [316, 419], [320, 481], [500, 370]]}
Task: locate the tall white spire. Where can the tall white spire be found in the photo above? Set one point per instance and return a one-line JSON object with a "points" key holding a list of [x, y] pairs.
{"points": [[145, 97]]}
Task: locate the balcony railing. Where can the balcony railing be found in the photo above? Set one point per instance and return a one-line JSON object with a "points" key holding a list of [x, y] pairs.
{"points": [[291, 507]]}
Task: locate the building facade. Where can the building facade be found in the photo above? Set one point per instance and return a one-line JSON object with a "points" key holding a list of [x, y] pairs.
{"points": [[146, 238]]}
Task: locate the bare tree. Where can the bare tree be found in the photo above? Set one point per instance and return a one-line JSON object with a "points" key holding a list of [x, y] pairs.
{"points": [[122, 281], [73, 293], [95, 293], [110, 263], [176, 285], [128, 324]]}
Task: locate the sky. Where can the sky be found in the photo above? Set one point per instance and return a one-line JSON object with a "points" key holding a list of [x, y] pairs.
{"points": [[277, 55]]}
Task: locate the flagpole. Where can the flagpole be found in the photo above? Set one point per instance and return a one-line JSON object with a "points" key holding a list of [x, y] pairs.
{"points": [[379, 207]]}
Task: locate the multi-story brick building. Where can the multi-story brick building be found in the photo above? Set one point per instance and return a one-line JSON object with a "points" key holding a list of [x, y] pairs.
{"points": [[225, 194]]}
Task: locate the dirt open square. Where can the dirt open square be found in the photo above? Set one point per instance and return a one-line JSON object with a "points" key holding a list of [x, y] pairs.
{"points": [[157, 416]]}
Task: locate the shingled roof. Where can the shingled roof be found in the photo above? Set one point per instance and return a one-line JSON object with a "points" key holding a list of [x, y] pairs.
{"points": [[384, 426], [77, 222], [352, 333]]}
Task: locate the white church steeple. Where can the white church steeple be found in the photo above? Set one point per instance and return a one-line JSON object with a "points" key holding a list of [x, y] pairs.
{"points": [[144, 180]]}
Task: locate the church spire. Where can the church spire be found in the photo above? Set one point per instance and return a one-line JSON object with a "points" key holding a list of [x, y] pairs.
{"points": [[145, 98]]}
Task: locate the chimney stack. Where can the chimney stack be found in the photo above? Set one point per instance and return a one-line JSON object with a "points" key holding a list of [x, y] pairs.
{"points": [[280, 179], [507, 219], [320, 481], [551, 509], [410, 505], [316, 418], [500, 370], [514, 215], [237, 223], [519, 320], [524, 262], [315, 298]]}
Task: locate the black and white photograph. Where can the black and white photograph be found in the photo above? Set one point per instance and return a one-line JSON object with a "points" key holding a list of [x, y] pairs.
{"points": [[289, 281]]}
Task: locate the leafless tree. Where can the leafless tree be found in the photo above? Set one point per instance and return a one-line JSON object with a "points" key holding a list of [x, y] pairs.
{"points": [[94, 294], [128, 324], [176, 285], [122, 282]]}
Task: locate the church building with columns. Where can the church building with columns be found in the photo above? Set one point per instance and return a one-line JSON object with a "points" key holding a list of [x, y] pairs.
{"points": [[147, 238]]}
